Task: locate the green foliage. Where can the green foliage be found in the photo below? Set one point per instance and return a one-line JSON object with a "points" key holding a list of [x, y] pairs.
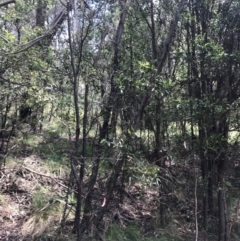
{"points": [[118, 234], [53, 152], [31, 140], [197, 90], [133, 233], [43, 203]]}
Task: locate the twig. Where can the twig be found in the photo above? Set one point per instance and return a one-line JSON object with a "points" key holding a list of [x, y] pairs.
{"points": [[44, 175]]}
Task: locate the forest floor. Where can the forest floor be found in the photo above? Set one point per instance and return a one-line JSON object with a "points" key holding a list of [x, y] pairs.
{"points": [[32, 189], [33, 186], [32, 201], [21, 206]]}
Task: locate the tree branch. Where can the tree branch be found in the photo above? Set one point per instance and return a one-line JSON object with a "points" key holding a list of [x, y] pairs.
{"points": [[49, 32], [161, 62], [6, 3]]}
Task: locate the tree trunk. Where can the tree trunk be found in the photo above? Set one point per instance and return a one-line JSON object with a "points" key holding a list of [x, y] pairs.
{"points": [[74, 157], [161, 61], [222, 217], [41, 13], [114, 97], [110, 185]]}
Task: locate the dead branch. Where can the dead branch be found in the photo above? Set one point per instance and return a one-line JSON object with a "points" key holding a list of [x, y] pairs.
{"points": [[44, 175]]}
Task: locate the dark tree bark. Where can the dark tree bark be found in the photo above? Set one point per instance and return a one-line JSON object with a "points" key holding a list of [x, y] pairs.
{"points": [[221, 165], [212, 124], [74, 157], [41, 13], [110, 185], [6, 3], [87, 212], [111, 110]]}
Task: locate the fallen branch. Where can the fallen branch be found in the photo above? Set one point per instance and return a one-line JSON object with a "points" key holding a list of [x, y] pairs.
{"points": [[44, 175]]}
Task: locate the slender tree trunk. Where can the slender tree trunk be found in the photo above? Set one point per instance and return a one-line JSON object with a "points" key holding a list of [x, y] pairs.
{"points": [[196, 92], [195, 199], [114, 97], [87, 212], [87, 218], [222, 159], [161, 61], [113, 110], [221, 210], [77, 128], [82, 161], [41, 13], [110, 185], [210, 181], [5, 134]]}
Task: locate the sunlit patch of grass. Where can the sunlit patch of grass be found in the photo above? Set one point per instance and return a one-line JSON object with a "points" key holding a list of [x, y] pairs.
{"points": [[47, 209], [52, 134], [32, 140], [58, 128], [37, 226], [144, 133], [55, 153], [92, 132], [12, 162], [55, 158], [58, 169]]}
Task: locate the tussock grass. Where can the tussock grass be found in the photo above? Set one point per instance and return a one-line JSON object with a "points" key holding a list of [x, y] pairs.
{"points": [[133, 233]]}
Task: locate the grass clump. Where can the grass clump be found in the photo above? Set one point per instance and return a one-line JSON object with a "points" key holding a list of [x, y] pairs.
{"points": [[116, 233], [43, 203], [32, 140], [133, 233]]}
